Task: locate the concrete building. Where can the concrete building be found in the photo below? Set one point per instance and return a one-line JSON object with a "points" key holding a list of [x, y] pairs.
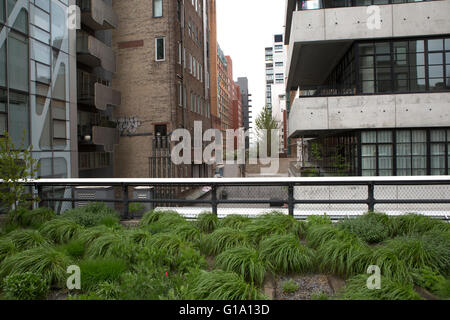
{"points": [[224, 94], [96, 99], [235, 101], [246, 111], [38, 95], [213, 64], [275, 66], [370, 92], [163, 74]]}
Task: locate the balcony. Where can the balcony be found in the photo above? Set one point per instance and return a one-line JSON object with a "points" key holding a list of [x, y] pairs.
{"points": [[92, 91], [311, 116], [94, 53], [106, 137], [97, 14], [97, 129], [318, 38]]}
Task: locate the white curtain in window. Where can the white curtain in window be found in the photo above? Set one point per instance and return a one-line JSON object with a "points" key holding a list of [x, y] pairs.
{"points": [[157, 8]]}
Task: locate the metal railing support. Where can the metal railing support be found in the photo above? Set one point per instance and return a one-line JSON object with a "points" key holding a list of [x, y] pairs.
{"points": [[291, 199], [371, 198], [214, 199], [126, 207]]}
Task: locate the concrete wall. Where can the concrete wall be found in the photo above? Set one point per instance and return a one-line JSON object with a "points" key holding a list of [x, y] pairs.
{"points": [[370, 111]]}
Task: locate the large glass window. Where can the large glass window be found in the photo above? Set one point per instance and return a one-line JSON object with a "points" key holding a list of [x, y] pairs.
{"points": [[411, 148], [19, 116], [3, 64], [438, 152], [17, 61]]}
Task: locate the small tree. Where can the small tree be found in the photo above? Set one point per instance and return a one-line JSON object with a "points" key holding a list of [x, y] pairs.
{"points": [[16, 166], [265, 123]]}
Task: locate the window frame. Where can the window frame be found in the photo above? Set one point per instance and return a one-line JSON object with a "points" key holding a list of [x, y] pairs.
{"points": [[164, 48]]}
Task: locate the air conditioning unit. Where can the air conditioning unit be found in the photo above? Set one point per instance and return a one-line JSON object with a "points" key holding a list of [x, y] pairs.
{"points": [[93, 194]]}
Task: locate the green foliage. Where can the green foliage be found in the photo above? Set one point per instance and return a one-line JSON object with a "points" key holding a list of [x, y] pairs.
{"points": [[140, 236], [207, 222], [318, 235], [96, 271], [169, 242], [17, 165], [49, 263], [265, 123], [369, 228], [391, 265], [26, 239], [415, 223], [74, 249], [93, 214], [188, 259], [25, 286], [223, 239], [108, 290], [111, 244], [443, 289], [316, 151], [222, 285], [7, 248], [285, 254], [289, 286], [344, 257], [319, 296], [153, 216], [244, 261], [188, 232], [60, 230], [428, 278], [315, 219], [272, 223], [356, 289], [235, 221], [30, 218], [88, 235]]}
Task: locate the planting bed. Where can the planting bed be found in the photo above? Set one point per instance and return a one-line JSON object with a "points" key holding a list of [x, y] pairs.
{"points": [[164, 256]]}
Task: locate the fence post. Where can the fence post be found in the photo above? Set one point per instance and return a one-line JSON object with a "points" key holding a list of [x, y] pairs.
{"points": [[371, 197], [125, 201], [35, 196], [291, 199], [214, 199]]}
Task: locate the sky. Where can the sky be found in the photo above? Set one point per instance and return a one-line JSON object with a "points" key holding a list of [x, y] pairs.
{"points": [[244, 29]]}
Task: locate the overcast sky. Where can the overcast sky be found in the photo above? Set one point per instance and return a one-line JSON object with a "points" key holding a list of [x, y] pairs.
{"points": [[244, 29]]}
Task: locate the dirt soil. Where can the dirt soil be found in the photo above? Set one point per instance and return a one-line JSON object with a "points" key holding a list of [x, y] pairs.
{"points": [[308, 285]]}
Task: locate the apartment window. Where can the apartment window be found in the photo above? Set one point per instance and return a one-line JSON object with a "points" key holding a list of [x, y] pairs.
{"points": [[160, 51], [191, 63], [180, 52], [184, 58], [180, 94], [279, 76], [192, 101], [279, 64], [157, 8], [438, 152]]}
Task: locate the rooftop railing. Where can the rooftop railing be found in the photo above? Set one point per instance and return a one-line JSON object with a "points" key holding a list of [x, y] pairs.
{"points": [[328, 4]]}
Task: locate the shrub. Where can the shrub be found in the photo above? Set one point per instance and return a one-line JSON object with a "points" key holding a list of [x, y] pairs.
{"points": [[92, 215], [108, 290], [49, 263], [26, 239], [235, 221], [427, 278], [188, 259], [74, 249], [7, 248], [244, 261], [356, 289], [415, 223], [60, 230], [390, 264], [25, 286], [222, 285], [207, 222], [289, 286], [96, 271], [344, 256], [140, 236], [368, 228], [153, 216], [443, 289], [285, 254], [317, 235], [88, 235], [223, 239]]}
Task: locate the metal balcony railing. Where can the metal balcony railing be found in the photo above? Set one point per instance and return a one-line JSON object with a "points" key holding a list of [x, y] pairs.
{"points": [[329, 4]]}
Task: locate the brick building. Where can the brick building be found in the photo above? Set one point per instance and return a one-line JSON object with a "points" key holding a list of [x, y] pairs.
{"points": [[163, 74]]}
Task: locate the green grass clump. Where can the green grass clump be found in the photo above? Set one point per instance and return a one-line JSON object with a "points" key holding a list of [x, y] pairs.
{"points": [[235, 221], [60, 230], [153, 216], [285, 254], [428, 278], [108, 290], [289, 286], [49, 263], [188, 232], [92, 215], [390, 264], [74, 249], [96, 271], [222, 285], [140, 236], [27, 239], [356, 289], [416, 224], [169, 242], [371, 227], [207, 222], [319, 296], [416, 253], [113, 244], [25, 286], [223, 239], [244, 261], [344, 257], [316, 220], [188, 259], [7, 248], [317, 235], [31, 218], [273, 223], [88, 235]]}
